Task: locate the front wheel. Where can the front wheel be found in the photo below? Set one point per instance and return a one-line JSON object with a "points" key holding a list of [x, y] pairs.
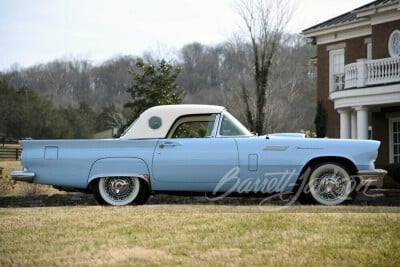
{"points": [[119, 191], [330, 184]]}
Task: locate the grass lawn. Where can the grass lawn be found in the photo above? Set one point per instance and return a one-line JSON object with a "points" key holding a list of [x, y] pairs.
{"points": [[196, 235], [200, 235]]}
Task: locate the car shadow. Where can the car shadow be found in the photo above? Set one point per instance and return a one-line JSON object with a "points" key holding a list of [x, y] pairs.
{"points": [[374, 197], [53, 200]]}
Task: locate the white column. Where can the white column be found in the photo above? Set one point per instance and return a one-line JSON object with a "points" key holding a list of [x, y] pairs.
{"points": [[353, 125], [344, 123], [362, 122]]}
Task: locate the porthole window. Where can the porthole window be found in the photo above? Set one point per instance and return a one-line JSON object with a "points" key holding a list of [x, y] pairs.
{"points": [[155, 122], [394, 44]]}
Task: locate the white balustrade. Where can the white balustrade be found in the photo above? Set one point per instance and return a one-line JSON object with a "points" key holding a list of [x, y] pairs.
{"points": [[370, 72], [350, 79]]}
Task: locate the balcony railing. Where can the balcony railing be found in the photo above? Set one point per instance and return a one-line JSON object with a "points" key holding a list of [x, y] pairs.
{"points": [[371, 72]]}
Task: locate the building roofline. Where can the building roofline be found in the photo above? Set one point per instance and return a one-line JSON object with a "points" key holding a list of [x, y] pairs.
{"points": [[325, 22], [350, 17]]}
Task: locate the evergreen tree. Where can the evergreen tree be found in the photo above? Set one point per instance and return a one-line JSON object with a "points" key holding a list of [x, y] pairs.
{"points": [[23, 113], [153, 85], [320, 120], [82, 120]]}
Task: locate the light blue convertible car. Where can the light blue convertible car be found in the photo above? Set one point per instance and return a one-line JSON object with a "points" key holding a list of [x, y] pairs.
{"points": [[201, 149]]}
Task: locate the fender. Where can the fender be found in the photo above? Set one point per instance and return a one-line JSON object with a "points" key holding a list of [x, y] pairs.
{"points": [[108, 167]]}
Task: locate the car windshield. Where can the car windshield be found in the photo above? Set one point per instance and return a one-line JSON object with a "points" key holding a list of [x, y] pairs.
{"points": [[232, 127]]}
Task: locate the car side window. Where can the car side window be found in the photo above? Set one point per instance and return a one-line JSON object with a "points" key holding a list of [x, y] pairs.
{"points": [[230, 126], [198, 126], [227, 128]]}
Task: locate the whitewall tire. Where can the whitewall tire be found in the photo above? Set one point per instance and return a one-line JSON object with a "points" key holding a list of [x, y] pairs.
{"points": [[118, 191], [330, 184]]}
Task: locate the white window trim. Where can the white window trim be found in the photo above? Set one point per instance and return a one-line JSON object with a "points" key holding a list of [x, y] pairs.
{"points": [[331, 54], [391, 154], [369, 51]]}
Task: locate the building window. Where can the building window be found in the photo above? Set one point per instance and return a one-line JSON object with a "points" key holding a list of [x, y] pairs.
{"points": [[336, 70], [394, 140], [394, 43], [312, 68]]}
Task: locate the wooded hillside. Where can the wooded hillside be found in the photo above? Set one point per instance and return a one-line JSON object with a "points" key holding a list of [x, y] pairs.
{"points": [[211, 75]]}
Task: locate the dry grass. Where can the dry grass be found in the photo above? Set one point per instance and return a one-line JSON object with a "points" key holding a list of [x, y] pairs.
{"points": [[200, 235], [15, 189], [10, 166]]}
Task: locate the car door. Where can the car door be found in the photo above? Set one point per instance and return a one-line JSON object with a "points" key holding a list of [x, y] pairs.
{"points": [[270, 164], [191, 158]]}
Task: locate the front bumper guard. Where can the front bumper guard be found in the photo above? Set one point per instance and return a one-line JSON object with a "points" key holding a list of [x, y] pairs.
{"points": [[373, 178], [23, 176]]}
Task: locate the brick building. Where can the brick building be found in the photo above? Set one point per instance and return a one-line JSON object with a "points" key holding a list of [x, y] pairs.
{"points": [[358, 84]]}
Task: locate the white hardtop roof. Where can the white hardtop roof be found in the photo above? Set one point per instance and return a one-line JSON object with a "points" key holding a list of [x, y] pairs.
{"points": [[168, 114]]}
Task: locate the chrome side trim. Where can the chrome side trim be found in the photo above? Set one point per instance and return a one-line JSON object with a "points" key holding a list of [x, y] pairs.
{"points": [[23, 176], [372, 177], [276, 148]]}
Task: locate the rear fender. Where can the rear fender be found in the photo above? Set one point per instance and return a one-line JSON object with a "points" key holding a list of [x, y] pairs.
{"points": [[119, 167]]}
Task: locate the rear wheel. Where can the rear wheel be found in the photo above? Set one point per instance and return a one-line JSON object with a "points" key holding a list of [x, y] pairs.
{"points": [[330, 184], [119, 191]]}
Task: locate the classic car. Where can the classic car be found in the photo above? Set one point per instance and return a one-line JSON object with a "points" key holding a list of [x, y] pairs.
{"points": [[201, 149]]}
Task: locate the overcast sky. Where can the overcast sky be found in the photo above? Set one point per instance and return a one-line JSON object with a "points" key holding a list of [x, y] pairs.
{"points": [[38, 31]]}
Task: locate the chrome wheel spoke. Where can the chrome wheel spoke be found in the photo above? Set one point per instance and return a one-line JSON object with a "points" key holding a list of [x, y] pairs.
{"points": [[330, 184], [118, 191], [119, 188]]}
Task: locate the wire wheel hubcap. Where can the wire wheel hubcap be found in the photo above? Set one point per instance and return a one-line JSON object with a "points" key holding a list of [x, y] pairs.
{"points": [[119, 190], [330, 184]]}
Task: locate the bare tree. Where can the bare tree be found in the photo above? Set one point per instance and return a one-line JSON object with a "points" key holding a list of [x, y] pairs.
{"points": [[265, 21]]}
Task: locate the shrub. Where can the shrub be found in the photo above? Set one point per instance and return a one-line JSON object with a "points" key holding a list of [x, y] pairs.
{"points": [[320, 120], [6, 184], [393, 170]]}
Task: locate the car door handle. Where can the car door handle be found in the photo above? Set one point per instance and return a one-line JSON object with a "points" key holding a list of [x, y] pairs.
{"points": [[164, 144]]}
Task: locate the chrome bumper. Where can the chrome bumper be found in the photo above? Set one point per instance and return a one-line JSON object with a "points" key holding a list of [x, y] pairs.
{"points": [[372, 177], [23, 176]]}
